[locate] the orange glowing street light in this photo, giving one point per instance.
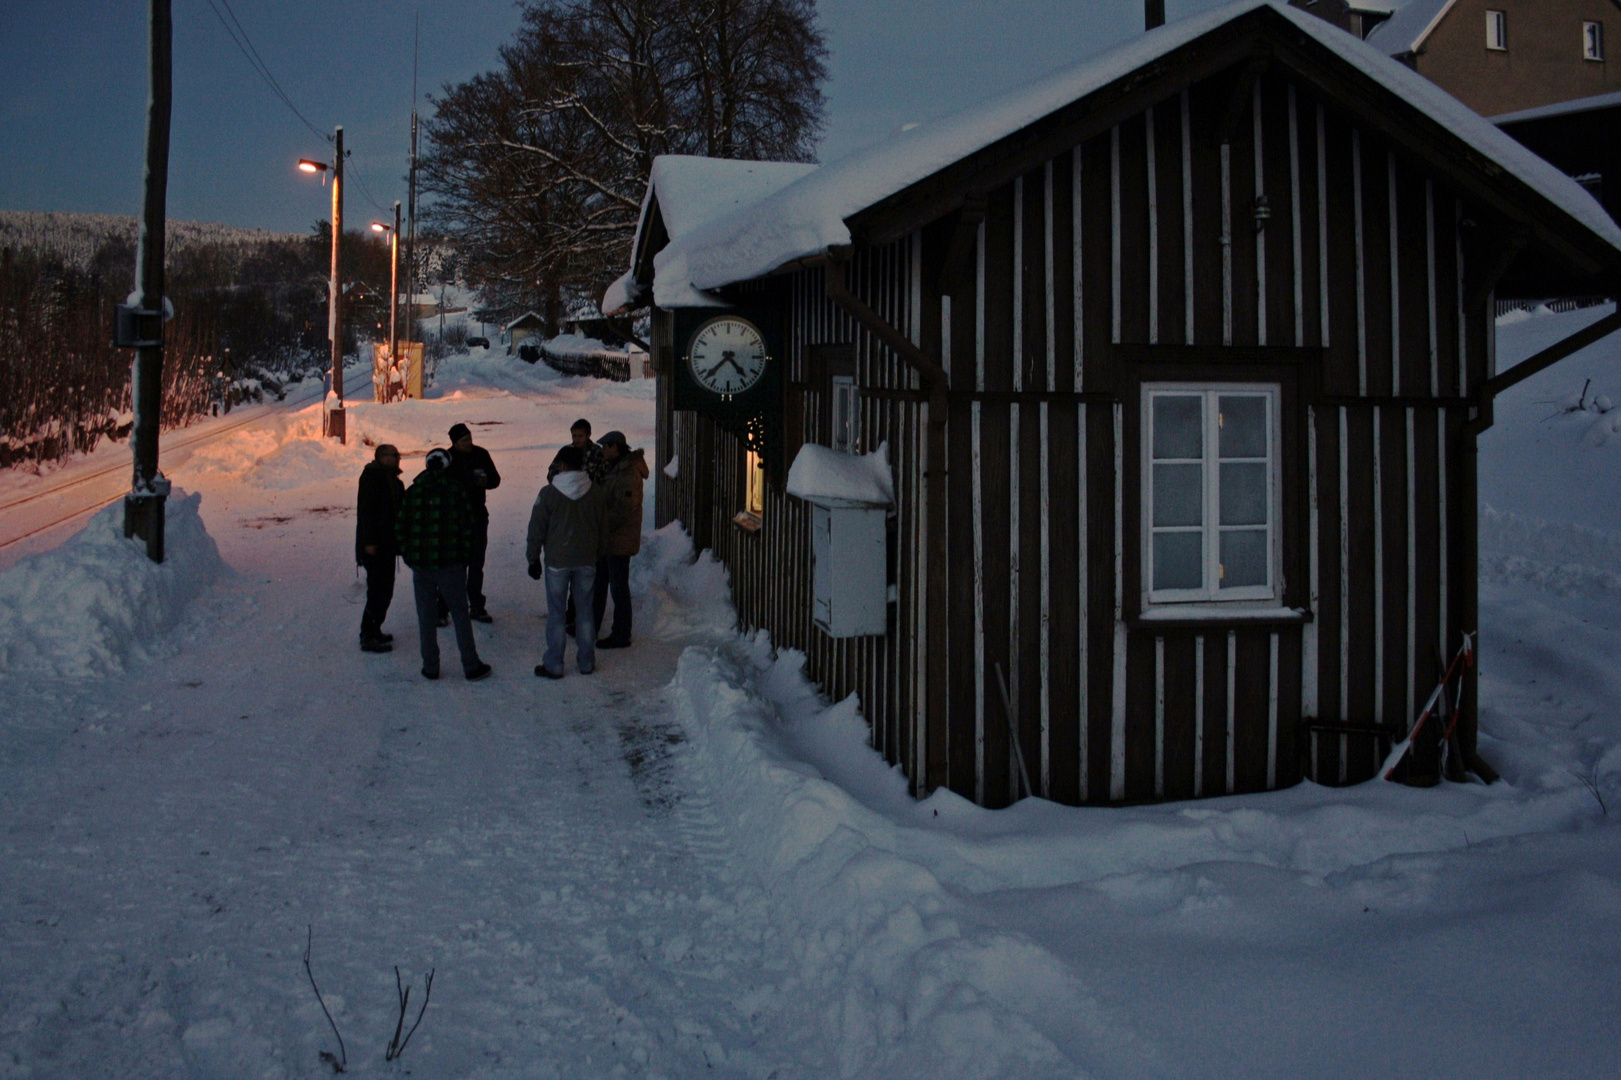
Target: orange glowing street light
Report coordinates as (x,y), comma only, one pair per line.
(393,281)
(334,416)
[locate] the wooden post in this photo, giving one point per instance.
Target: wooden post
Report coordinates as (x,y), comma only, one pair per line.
(144,505)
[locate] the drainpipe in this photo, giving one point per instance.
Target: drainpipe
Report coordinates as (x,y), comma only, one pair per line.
(931,757)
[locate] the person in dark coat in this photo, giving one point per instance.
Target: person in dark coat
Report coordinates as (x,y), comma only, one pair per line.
(580,438)
(435,532)
(475,469)
(624,472)
(568,525)
(375,549)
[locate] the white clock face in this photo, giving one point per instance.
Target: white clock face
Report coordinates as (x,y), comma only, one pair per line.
(727,355)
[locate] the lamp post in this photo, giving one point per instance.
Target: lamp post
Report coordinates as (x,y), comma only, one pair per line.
(393,232)
(334,425)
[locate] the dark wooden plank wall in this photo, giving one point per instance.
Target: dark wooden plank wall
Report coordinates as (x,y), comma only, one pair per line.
(1146,235)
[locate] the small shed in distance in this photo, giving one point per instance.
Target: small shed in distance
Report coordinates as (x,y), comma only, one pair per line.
(1177,358)
(521,329)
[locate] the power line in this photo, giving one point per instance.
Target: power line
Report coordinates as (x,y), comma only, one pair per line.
(366,188)
(239,36)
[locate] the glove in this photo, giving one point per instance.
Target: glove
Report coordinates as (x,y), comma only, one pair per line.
(534,570)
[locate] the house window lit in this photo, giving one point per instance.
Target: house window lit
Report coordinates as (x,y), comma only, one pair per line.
(753,512)
(846,413)
(1211,493)
(1592,41)
(1496,30)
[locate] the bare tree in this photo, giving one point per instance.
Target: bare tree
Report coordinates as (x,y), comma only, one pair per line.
(540,166)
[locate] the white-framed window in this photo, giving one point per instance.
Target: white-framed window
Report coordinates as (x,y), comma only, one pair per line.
(1592,41)
(1211,493)
(1497,30)
(846,414)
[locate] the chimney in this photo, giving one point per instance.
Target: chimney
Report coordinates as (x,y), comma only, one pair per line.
(1154,13)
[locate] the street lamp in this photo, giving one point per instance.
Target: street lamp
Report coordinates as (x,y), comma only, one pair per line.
(333,418)
(393,232)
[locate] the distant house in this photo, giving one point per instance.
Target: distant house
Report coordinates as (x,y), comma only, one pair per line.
(1176,361)
(1539,68)
(525,326)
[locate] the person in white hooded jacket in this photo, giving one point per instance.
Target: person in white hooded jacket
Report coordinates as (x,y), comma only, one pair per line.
(568,527)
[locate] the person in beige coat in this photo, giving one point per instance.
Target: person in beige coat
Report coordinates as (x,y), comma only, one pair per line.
(624,474)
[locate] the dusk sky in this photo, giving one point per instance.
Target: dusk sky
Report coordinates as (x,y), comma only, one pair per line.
(73,89)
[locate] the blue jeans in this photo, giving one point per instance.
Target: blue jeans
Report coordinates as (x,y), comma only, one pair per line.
(581,580)
(451,584)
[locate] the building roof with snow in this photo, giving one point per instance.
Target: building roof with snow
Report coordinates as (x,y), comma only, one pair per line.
(1409,24)
(780,218)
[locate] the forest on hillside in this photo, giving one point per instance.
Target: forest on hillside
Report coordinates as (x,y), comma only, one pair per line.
(250,315)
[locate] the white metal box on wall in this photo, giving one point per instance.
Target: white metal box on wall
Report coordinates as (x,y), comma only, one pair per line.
(849,548)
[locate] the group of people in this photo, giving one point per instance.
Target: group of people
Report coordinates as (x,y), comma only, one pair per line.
(585,526)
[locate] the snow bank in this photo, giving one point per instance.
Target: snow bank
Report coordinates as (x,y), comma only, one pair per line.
(910,981)
(821,474)
(97,604)
(685,595)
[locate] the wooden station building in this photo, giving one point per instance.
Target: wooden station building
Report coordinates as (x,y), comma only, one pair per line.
(1177,359)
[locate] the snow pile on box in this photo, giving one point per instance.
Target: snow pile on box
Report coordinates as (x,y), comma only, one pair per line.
(911,982)
(97,603)
(821,474)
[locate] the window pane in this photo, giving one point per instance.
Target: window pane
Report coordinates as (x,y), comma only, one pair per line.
(1178,560)
(1178,495)
(1243,425)
(1178,426)
(1243,493)
(1243,558)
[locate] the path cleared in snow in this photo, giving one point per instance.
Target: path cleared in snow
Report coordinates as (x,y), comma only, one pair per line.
(690,864)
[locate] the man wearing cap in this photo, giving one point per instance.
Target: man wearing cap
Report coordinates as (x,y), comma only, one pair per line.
(376,507)
(624,471)
(434,529)
(473,468)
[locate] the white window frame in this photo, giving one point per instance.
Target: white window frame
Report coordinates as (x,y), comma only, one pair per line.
(844,414)
(1496,30)
(1592,40)
(1211,593)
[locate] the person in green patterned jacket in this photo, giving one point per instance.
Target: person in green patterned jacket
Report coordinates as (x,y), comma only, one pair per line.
(434,531)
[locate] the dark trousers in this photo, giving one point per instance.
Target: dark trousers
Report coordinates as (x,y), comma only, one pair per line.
(613,576)
(379,592)
(475,560)
(475,565)
(450,586)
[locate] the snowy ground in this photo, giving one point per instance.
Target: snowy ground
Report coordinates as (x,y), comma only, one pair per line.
(689,864)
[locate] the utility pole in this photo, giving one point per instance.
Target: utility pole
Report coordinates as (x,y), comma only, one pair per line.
(335,415)
(411,196)
(140,324)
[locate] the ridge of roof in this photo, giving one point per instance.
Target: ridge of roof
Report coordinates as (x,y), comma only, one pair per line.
(808,216)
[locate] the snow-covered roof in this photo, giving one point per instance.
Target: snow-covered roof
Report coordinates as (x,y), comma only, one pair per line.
(691,192)
(807,217)
(1561,108)
(823,475)
(528,318)
(1406,29)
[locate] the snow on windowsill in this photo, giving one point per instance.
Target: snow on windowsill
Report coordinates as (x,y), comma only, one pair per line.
(1221,613)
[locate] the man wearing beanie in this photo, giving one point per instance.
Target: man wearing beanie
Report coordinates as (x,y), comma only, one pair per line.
(475,471)
(434,530)
(377,505)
